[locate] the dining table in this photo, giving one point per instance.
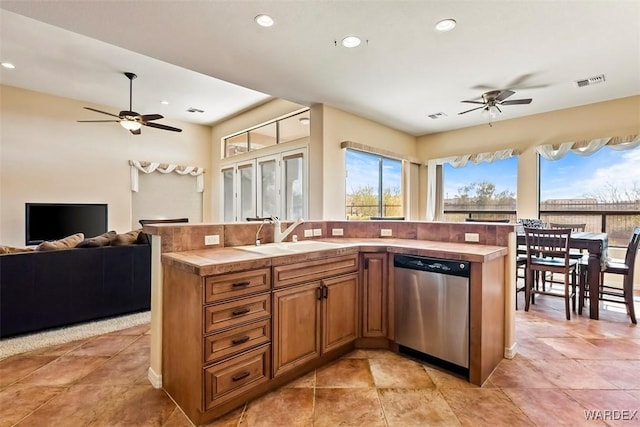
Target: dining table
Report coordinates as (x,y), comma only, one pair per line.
(596,245)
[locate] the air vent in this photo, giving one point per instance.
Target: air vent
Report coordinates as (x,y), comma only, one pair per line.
(590,81)
(195,110)
(437,115)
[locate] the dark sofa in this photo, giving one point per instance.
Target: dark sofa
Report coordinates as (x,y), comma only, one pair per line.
(43,290)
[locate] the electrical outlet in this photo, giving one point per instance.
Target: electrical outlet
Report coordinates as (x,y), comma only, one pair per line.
(386,232)
(213,239)
(308,233)
(337,232)
(471,237)
(317,231)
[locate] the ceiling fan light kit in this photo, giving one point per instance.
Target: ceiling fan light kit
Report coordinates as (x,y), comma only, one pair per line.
(491,102)
(131,120)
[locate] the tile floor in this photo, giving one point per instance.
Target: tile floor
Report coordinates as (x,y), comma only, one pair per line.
(563,369)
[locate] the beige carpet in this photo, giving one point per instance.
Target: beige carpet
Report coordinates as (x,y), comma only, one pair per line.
(21,344)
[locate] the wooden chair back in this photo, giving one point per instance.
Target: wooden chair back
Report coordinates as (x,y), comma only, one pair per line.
(575,228)
(547,243)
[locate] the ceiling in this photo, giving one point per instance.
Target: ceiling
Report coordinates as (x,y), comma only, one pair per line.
(212,56)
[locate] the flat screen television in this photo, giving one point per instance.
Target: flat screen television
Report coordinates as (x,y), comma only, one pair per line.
(53,221)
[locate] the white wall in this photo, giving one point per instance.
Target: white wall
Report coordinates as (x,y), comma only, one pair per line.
(46,156)
(339,126)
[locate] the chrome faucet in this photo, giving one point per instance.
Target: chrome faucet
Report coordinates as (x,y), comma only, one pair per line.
(278,234)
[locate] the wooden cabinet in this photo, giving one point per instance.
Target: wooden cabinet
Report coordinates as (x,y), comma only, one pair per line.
(313,317)
(216,337)
(375,276)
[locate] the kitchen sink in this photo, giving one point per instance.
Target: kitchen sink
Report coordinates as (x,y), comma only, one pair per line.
(290,247)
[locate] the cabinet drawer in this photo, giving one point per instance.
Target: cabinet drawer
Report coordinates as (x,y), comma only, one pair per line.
(225,286)
(285,275)
(226,380)
(225,315)
(236,340)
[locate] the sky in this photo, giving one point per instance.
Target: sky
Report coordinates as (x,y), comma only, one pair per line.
(362,170)
(573,176)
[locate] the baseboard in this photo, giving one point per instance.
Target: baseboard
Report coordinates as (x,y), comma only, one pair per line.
(510,352)
(154,379)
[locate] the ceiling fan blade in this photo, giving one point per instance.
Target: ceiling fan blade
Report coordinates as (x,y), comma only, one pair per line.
(504,95)
(98,121)
(100,111)
(136,132)
(163,127)
(516,101)
(475,102)
(149,117)
(473,109)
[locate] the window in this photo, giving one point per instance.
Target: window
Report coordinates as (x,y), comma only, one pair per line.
(601,190)
(373,186)
(287,129)
(480,190)
(266,186)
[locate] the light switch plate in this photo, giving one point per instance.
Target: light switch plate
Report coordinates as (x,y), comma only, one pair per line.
(471,237)
(317,231)
(386,232)
(308,233)
(213,239)
(337,232)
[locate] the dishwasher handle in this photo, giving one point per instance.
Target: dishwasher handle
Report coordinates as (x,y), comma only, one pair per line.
(435,265)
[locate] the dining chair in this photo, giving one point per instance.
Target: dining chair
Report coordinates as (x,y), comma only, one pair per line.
(608,291)
(548,251)
(521,253)
(575,228)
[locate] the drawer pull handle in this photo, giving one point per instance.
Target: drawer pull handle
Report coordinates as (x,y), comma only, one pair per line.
(241,375)
(240,311)
(240,284)
(240,340)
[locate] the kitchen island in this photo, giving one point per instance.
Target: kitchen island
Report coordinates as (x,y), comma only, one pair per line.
(241,321)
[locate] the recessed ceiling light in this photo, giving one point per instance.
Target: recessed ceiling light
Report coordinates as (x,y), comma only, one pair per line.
(351,41)
(8,65)
(164,102)
(304,120)
(446,25)
(264,20)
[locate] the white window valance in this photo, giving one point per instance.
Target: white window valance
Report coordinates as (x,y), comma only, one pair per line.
(588,147)
(149,167)
(461,161)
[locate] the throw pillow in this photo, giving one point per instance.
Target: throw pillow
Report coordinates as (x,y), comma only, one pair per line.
(13,250)
(126,238)
(66,243)
(104,239)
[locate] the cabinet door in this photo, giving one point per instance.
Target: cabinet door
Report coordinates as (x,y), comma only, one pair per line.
(340,312)
(374,295)
(296,326)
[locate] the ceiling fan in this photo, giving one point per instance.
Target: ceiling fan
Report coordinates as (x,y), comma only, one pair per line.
(492,99)
(131,120)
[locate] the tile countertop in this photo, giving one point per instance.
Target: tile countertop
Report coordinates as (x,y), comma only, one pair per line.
(219,260)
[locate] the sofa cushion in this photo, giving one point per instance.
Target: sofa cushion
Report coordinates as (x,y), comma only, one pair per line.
(104,239)
(13,249)
(126,238)
(66,243)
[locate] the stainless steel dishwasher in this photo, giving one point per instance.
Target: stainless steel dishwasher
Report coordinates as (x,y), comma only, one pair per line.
(432,310)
